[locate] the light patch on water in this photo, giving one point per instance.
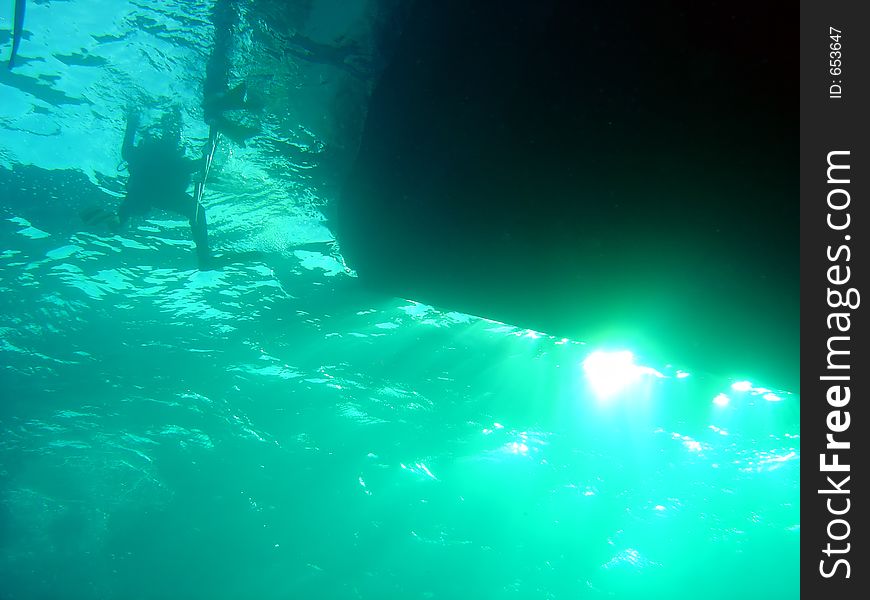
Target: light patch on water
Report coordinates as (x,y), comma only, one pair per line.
(261,270)
(101,244)
(63,252)
(770,461)
(315,260)
(610,373)
(184,306)
(416,309)
(287,231)
(748,387)
(721,400)
(151,291)
(517,448)
(71,414)
(186,436)
(395,398)
(113,279)
(205,279)
(169,223)
(690,444)
(73,276)
(34,233)
(282,372)
(138,453)
(7,346)
(69,444)
(502,329)
(458,317)
(419,468)
(395,392)
(69,268)
(355,413)
(525,443)
(487,430)
(128,243)
(630,558)
(139,439)
(718,430)
(195,396)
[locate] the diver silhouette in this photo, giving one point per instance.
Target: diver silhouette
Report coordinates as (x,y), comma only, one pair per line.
(159,176)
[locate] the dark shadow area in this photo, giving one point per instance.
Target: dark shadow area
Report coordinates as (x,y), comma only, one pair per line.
(605,172)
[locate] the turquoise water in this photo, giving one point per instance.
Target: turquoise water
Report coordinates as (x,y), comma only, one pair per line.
(169,433)
(274,430)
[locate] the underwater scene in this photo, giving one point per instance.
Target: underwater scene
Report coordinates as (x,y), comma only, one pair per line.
(200,397)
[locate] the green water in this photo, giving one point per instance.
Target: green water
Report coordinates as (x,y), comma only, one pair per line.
(173,434)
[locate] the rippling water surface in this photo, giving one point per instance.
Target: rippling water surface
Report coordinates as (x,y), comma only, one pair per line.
(273,430)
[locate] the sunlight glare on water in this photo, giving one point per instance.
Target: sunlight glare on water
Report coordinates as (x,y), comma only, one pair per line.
(610,373)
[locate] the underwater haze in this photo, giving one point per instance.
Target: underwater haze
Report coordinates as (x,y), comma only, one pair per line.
(273,429)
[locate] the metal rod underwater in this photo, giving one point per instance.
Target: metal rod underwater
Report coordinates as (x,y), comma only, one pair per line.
(208,156)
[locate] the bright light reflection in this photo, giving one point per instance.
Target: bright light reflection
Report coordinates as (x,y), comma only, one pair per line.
(746,386)
(692,445)
(518,448)
(721,400)
(612,372)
